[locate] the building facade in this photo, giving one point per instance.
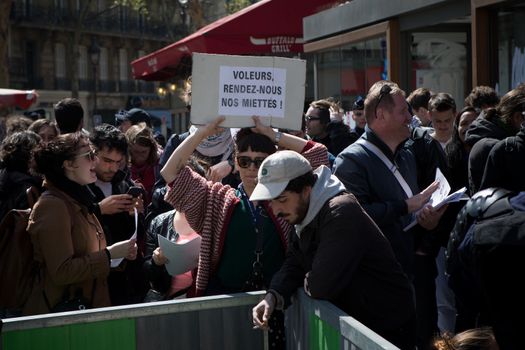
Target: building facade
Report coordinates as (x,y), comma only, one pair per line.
(447,46)
(43,36)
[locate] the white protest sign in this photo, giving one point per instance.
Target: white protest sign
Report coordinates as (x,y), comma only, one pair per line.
(252,91)
(239,87)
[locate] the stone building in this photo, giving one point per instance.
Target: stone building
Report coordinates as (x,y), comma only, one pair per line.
(42,53)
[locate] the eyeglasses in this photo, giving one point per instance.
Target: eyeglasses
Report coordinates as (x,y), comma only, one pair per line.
(310,118)
(385,90)
(244,162)
(91,155)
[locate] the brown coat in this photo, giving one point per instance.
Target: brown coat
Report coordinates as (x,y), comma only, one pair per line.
(69,244)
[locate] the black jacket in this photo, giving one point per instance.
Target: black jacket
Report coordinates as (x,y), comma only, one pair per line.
(482,135)
(340,137)
(505,166)
(13,186)
(127,283)
(158,276)
(350,264)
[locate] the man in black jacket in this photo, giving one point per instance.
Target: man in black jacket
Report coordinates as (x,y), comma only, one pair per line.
(127,283)
(338,253)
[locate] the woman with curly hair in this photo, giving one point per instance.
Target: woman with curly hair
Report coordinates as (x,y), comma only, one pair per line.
(15,178)
(69,244)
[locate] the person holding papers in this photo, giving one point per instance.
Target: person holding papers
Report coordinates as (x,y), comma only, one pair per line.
(174,227)
(243,243)
(382,173)
(114,210)
(68,241)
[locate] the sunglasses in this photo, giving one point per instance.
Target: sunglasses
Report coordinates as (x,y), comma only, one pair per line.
(91,155)
(385,90)
(310,118)
(244,162)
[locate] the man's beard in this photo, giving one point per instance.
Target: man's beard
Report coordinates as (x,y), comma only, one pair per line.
(105,177)
(302,210)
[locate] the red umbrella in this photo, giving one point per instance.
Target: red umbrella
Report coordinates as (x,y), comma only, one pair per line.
(19,98)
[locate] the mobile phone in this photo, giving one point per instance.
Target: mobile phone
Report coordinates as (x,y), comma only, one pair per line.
(135,191)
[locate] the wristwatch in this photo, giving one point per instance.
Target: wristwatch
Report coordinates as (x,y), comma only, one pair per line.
(278,136)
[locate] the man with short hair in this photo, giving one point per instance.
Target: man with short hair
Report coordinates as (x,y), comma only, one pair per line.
(334,135)
(338,253)
(442,108)
(127,283)
(382,173)
(69,115)
(418,100)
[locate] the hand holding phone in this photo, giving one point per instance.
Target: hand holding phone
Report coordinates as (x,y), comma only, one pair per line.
(135,191)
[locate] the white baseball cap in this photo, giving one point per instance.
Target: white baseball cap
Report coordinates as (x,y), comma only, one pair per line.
(275,173)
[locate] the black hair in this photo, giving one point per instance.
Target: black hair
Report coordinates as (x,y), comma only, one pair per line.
(455,148)
(69,114)
(17,149)
(108,136)
(299,183)
(442,102)
(324,109)
(482,96)
(247,139)
(50,157)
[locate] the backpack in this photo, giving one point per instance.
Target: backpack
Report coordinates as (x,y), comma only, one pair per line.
(18,269)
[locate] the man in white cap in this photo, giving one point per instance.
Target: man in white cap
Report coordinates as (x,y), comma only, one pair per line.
(338,253)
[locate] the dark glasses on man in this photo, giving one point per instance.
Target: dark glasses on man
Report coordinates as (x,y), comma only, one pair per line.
(385,90)
(244,162)
(91,155)
(310,118)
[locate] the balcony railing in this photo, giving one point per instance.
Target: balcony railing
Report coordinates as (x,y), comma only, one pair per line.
(103,22)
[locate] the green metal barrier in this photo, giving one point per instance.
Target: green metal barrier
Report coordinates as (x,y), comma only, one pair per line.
(218,322)
(316,324)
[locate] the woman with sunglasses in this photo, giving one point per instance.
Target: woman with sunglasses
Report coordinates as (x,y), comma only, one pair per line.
(231,225)
(68,242)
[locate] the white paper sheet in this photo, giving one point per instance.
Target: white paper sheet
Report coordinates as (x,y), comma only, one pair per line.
(441,196)
(182,257)
(116,262)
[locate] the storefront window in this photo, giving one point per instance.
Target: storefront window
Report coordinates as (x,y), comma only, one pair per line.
(511,49)
(439,62)
(329,73)
(349,71)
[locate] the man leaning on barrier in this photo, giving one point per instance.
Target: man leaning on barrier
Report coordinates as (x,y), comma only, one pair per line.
(338,253)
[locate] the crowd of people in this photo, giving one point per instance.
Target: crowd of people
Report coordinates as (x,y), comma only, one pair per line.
(328,208)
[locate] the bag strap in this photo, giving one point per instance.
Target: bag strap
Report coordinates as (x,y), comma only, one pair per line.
(392,167)
(255,213)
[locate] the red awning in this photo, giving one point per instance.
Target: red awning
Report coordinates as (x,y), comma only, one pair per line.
(19,98)
(266,27)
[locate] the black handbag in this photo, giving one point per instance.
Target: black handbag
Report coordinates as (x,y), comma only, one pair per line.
(75,303)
